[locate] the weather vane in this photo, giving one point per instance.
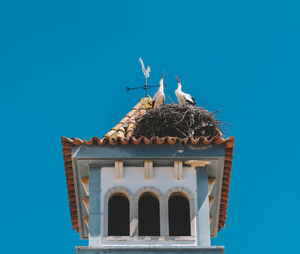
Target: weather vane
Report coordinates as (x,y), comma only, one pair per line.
(146,73)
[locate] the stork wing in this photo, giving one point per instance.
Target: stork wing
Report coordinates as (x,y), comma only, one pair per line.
(155,96)
(154,99)
(188,98)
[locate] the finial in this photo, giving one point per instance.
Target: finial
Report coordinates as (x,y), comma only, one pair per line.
(146,73)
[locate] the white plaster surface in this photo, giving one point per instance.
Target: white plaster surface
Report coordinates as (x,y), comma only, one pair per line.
(163,180)
(133,179)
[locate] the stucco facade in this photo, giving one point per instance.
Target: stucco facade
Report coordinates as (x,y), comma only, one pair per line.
(100,172)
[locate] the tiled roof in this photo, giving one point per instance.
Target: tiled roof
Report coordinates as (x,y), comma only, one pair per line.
(125,127)
(122,134)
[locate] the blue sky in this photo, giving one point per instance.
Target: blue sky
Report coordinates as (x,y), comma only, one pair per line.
(64,66)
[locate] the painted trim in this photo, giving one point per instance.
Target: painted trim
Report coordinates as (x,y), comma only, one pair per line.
(163,206)
(203,220)
(158,194)
(109,193)
(151,249)
(95,206)
(190,197)
(152,189)
(178,152)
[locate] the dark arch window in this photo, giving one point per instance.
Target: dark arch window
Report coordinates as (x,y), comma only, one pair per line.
(118,215)
(179,216)
(149,223)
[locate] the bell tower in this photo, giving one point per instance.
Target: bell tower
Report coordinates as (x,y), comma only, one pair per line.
(147,195)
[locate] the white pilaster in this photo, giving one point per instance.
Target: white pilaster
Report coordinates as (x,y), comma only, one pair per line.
(94,206)
(148,170)
(118,170)
(203,223)
(178,170)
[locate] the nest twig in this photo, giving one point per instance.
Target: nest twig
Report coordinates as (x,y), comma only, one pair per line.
(176,120)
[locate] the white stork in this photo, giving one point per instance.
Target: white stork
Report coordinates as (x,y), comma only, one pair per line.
(159,96)
(182,97)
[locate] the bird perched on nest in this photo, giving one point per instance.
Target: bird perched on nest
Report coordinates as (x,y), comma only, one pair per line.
(183,98)
(159,97)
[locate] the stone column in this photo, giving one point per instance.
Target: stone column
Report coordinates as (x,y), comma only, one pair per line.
(133,217)
(164,216)
(95,214)
(203,224)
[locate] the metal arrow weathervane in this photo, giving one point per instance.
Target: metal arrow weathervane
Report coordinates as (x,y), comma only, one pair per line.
(146,73)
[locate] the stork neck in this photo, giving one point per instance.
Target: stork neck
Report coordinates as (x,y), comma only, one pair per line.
(161,88)
(179,87)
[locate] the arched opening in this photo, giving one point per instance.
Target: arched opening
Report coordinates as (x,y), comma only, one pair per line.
(149,222)
(179,215)
(118,215)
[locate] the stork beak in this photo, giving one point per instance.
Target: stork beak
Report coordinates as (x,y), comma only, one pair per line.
(177,79)
(162,76)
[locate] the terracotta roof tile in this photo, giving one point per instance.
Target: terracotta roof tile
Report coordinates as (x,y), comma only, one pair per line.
(122,134)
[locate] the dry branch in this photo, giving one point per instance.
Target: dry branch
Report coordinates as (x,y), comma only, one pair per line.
(177,120)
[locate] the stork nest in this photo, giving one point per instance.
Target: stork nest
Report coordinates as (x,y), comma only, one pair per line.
(176,120)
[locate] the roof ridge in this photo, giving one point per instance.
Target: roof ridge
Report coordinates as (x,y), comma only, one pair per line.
(119,129)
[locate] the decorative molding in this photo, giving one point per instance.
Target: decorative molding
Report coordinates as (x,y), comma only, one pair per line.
(178,170)
(197,163)
(85,183)
(86,203)
(151,189)
(150,238)
(109,193)
(118,173)
(118,189)
(86,220)
(163,204)
(211,201)
(148,170)
(189,195)
(211,183)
